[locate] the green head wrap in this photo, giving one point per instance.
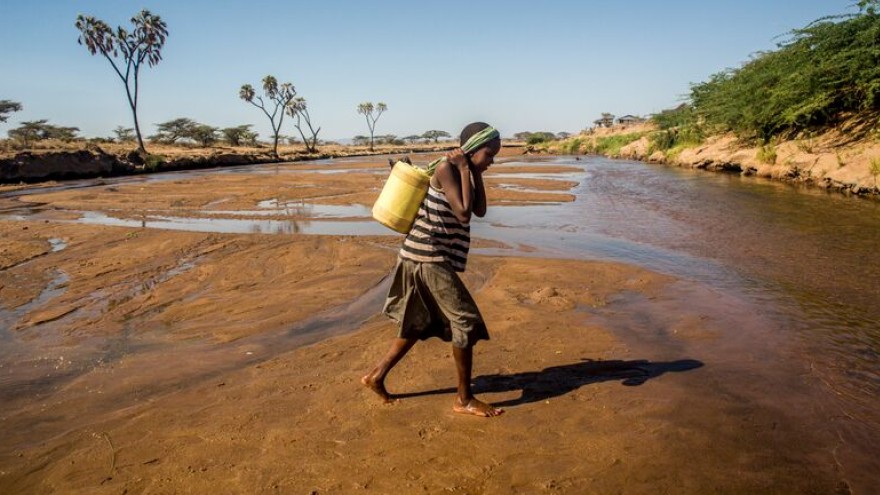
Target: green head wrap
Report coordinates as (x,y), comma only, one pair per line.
(474,143)
(480,138)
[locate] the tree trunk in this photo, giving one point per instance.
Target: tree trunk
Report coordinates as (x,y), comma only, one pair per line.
(142,150)
(137,129)
(305,140)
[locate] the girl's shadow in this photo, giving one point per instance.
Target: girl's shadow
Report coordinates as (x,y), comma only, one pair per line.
(559,380)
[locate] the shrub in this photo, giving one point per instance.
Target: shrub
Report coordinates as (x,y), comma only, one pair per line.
(805,145)
(822,73)
(686,136)
(154,162)
(572,146)
(767,154)
(611,145)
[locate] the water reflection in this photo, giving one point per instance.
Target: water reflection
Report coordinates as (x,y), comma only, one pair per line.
(9,316)
(238,225)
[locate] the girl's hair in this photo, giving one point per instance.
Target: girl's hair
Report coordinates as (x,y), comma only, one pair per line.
(471,129)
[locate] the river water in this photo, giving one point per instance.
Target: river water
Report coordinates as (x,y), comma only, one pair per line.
(787,264)
(805,259)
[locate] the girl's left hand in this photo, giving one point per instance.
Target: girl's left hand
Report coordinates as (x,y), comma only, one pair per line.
(457,157)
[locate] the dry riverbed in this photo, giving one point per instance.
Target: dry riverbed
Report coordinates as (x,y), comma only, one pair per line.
(141,360)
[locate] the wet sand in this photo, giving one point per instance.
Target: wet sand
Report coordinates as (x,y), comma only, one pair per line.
(155,361)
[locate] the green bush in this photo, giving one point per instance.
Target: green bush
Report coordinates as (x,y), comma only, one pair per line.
(821,74)
(681,116)
(662,140)
(611,145)
(670,138)
(154,162)
(571,146)
(767,154)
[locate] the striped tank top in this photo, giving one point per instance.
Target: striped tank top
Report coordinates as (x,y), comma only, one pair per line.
(436,235)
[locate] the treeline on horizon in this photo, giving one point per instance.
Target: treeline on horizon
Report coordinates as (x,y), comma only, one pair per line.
(824,74)
(188,132)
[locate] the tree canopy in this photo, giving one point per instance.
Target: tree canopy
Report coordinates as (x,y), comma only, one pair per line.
(535,137)
(372,113)
(239,135)
(38,130)
(435,135)
(7,107)
(279,97)
(185,129)
(124,134)
(175,130)
(298,109)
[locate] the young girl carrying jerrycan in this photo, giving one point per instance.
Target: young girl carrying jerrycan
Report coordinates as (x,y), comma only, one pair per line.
(427,298)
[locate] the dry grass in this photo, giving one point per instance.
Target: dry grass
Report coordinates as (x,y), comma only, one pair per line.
(9,149)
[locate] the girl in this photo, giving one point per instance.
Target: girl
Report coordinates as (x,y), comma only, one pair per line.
(427,298)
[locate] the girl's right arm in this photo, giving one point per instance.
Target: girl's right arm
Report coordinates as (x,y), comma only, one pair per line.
(454,176)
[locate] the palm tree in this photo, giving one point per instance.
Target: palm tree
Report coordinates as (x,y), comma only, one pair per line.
(143,44)
(366,109)
(281,95)
(300,111)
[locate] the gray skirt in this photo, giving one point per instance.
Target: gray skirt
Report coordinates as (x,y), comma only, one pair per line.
(429,300)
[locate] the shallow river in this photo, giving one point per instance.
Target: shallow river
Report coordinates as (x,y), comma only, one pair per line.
(807,261)
(793,266)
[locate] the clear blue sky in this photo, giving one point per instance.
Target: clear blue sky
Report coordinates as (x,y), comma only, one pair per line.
(520,65)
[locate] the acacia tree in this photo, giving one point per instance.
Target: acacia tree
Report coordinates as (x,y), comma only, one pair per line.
(173,130)
(27,131)
(204,134)
(298,110)
(389,139)
(239,135)
(143,44)
(278,94)
(366,109)
(7,107)
(124,134)
(38,130)
(435,135)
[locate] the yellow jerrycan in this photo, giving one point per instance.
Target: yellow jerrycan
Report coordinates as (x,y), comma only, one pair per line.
(399,201)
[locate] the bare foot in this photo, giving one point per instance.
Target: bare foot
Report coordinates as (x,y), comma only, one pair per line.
(378,387)
(476,407)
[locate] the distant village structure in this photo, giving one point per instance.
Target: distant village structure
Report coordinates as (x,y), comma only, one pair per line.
(608,120)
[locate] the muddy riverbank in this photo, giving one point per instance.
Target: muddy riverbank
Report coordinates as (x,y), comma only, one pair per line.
(844,159)
(91,161)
